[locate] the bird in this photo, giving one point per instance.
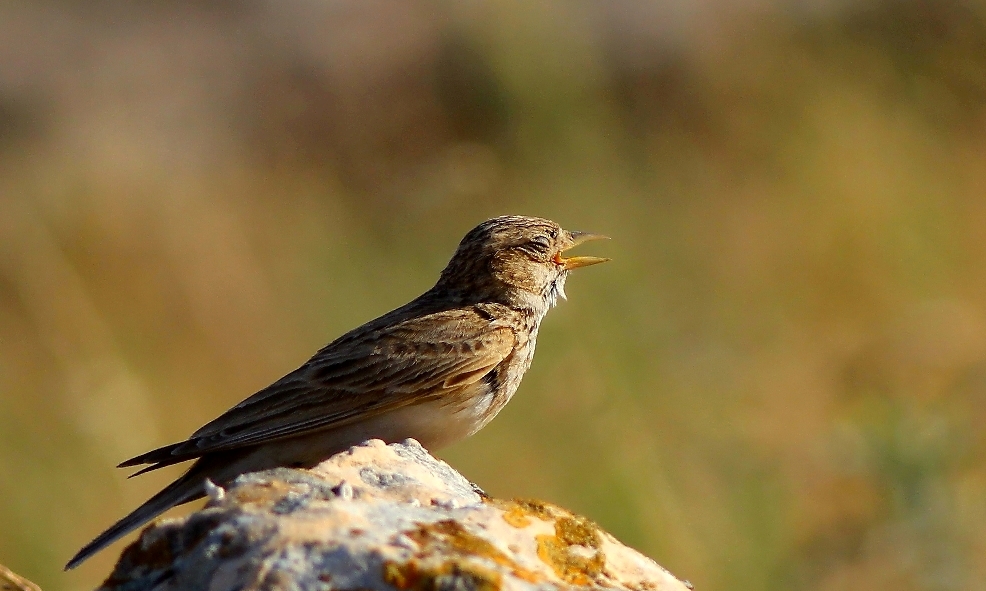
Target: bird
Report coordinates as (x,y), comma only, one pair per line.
(436,369)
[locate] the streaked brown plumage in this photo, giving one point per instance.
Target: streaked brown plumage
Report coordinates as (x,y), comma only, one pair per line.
(437,369)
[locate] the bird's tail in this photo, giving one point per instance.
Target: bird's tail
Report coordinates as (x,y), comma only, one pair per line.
(188,487)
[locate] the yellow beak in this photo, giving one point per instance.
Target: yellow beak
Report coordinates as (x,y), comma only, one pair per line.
(576,262)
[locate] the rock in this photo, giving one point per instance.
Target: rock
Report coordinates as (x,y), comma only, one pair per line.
(378,517)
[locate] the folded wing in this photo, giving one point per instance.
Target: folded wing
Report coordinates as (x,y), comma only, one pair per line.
(353,378)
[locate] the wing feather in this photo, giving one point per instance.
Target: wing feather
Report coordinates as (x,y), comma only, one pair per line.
(357,376)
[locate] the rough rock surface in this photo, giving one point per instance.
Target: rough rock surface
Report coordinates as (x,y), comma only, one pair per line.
(378,517)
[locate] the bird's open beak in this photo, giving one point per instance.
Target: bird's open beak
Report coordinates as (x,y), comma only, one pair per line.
(576,262)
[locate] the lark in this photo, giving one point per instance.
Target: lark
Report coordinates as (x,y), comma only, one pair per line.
(437,369)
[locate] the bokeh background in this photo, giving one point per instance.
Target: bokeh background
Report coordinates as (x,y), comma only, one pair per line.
(778,384)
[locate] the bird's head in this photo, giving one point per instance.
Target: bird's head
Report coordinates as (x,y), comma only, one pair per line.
(517,257)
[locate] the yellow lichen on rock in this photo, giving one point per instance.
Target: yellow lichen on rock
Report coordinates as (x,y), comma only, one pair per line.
(519,511)
(573,552)
(517,517)
(415,575)
(450,538)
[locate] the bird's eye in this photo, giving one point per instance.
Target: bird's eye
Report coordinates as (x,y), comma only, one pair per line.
(541,244)
(538,247)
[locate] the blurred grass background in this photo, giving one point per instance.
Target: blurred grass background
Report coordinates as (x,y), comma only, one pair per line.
(779,383)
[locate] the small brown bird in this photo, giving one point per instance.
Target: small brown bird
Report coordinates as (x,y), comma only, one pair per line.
(437,369)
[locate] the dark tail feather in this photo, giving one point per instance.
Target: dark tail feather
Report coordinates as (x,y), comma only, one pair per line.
(187,488)
(161,454)
(150,468)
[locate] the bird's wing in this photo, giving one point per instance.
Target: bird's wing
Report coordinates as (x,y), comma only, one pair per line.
(355,377)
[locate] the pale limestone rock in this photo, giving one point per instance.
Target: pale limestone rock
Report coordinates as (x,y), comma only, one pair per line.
(378,517)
